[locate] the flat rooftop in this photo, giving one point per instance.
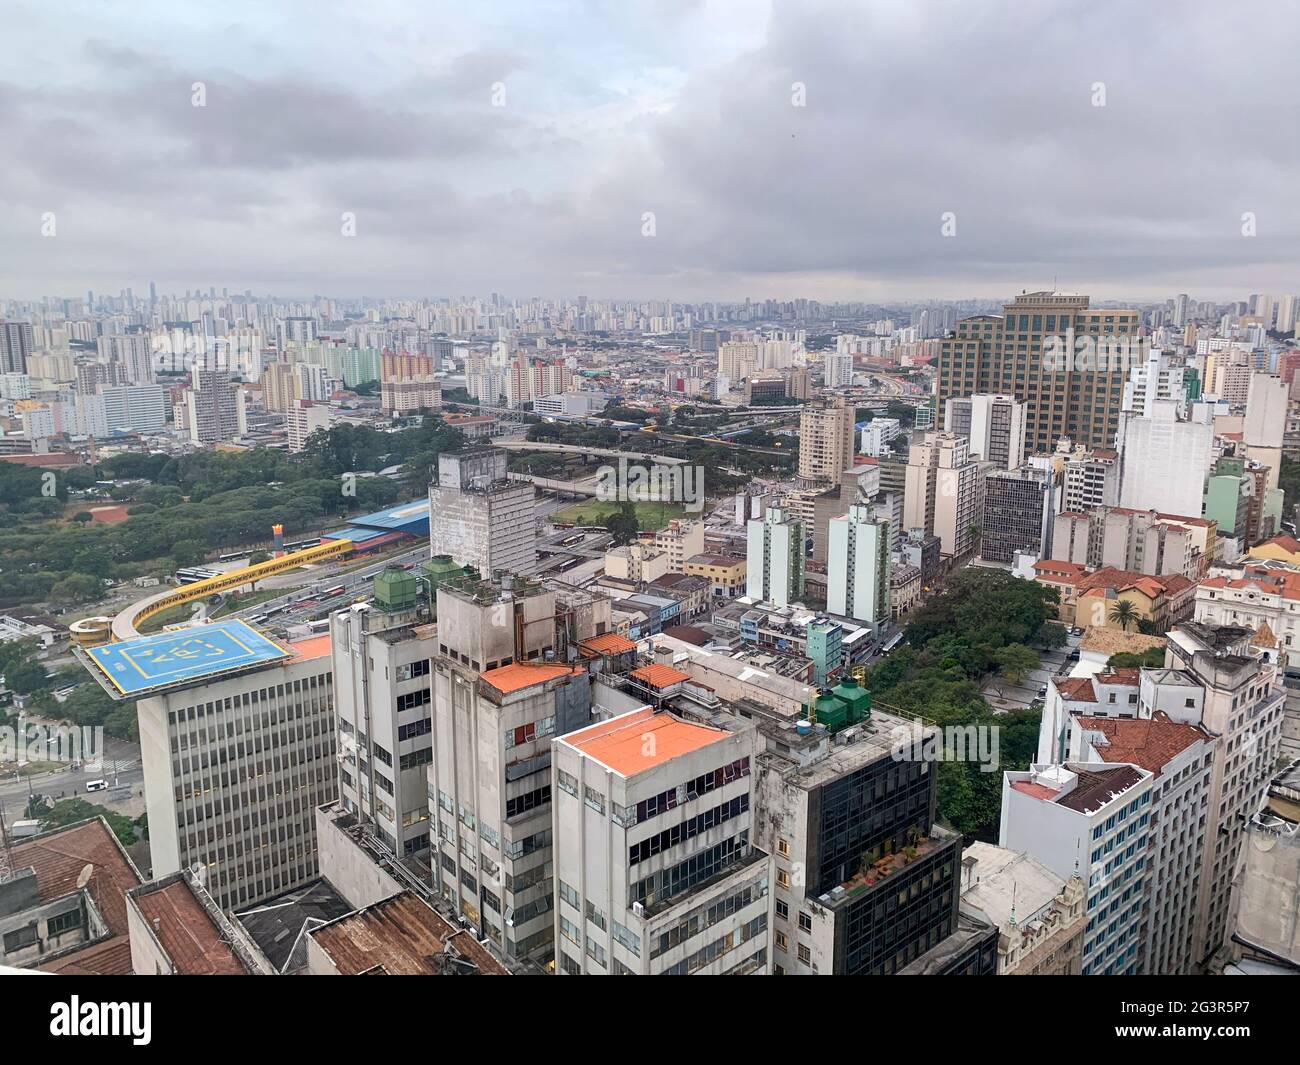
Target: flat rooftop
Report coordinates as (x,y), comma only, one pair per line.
(402,936)
(621,743)
(175,659)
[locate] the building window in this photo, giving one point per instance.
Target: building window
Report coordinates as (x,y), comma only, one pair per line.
(805,922)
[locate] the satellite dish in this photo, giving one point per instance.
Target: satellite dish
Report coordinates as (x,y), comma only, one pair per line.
(85,876)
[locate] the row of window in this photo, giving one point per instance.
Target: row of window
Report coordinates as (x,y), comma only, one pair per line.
(689,829)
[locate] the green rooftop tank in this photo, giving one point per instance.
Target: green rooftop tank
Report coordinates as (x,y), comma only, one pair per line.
(856,697)
(395,589)
(831,711)
(438,571)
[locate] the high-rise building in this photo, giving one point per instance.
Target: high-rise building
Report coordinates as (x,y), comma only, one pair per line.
(1163,460)
(994,426)
(481,518)
(1092,818)
(825,441)
(863,885)
(1091,480)
(944,491)
(1045,349)
(408,383)
(655,871)
(1180,756)
(216,407)
(303,419)
(503,687)
(384,705)
(281,386)
(16,344)
(1243,706)
(1019,505)
(838,371)
(774,558)
(237,739)
(857,566)
(134,408)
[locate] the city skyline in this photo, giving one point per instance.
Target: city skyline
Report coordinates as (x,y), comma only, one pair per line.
(524,152)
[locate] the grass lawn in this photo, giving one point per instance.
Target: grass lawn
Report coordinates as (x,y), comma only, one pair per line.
(231,605)
(649,516)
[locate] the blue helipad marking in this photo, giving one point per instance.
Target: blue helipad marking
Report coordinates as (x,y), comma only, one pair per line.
(174,657)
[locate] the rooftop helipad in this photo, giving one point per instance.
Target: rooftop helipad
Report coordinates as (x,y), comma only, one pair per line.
(172,659)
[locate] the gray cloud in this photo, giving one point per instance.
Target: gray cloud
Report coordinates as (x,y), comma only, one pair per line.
(984,110)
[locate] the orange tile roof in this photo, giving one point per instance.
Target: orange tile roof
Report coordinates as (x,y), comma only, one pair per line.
(1149,743)
(659,676)
(312,647)
(632,743)
(1076,689)
(520,675)
(609,643)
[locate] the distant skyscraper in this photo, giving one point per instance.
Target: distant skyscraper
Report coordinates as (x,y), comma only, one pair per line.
(1020,353)
(16,344)
(825,441)
(216,408)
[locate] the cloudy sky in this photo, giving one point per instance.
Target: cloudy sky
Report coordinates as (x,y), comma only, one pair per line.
(785,149)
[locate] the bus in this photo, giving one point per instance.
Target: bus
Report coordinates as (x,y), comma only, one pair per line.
(330,593)
(569,541)
(301,545)
(190,574)
(234,556)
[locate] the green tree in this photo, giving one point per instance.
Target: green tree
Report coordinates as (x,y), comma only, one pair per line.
(70,811)
(78,588)
(1123,614)
(188,552)
(1015,662)
(1051,635)
(622,524)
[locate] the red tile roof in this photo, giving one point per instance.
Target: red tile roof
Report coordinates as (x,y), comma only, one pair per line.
(59,857)
(1151,743)
(1095,789)
(186,932)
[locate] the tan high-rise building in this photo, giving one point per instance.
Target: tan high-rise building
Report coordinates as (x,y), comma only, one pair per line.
(944,491)
(1012,354)
(825,441)
(281,386)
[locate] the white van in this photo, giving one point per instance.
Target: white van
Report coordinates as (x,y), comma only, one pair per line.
(96,785)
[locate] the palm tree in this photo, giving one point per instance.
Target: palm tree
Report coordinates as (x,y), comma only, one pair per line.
(1123,613)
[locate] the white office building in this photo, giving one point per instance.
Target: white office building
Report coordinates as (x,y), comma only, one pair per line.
(655,870)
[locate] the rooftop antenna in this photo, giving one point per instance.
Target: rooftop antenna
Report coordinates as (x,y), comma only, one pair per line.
(6,859)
